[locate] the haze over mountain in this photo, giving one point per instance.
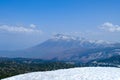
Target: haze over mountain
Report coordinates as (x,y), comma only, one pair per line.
(23,25)
(68,48)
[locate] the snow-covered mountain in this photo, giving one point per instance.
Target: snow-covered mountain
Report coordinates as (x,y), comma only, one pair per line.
(81,41)
(86,73)
(69,48)
(72,48)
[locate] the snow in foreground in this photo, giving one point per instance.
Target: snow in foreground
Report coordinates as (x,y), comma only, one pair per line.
(86,73)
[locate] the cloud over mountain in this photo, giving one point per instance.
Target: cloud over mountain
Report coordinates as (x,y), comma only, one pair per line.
(20,29)
(110,27)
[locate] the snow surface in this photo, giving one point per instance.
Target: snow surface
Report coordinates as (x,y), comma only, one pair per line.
(85,73)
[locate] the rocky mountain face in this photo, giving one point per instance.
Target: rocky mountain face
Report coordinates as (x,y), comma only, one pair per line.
(70,48)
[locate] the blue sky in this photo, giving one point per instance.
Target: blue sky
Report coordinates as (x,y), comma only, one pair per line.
(24,23)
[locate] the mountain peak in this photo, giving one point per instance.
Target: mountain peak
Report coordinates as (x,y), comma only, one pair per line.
(64,37)
(76,38)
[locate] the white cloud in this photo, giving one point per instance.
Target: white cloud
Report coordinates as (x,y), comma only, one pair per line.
(32,25)
(110,27)
(19,29)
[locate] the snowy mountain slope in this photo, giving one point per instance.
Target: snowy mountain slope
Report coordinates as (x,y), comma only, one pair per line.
(86,73)
(60,45)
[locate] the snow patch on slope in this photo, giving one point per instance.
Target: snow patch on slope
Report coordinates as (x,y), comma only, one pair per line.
(86,73)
